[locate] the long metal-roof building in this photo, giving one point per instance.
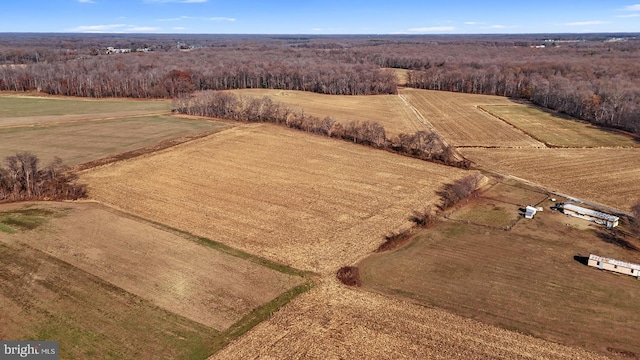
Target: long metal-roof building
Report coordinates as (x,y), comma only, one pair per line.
(591,215)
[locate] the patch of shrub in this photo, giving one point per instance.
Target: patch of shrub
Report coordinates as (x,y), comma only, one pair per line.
(451,194)
(424,218)
(394,240)
(349,275)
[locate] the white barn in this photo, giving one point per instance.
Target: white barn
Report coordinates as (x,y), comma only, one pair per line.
(592,215)
(529,212)
(618,266)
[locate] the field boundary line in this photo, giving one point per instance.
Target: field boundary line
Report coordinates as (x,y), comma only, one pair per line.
(421,118)
(481,109)
(147,150)
(204,241)
(430,126)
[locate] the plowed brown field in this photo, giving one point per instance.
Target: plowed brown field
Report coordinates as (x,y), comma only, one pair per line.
(606,176)
(306,201)
(333,322)
(387,110)
(456,117)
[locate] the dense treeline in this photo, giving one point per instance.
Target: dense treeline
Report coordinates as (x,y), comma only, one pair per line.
(168,74)
(421,144)
(23,179)
(594,77)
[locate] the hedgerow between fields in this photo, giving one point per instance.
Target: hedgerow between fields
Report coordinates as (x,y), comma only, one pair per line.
(421,144)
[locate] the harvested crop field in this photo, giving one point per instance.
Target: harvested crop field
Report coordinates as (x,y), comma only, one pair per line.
(558,130)
(529,279)
(79,142)
(456,117)
(334,322)
(607,176)
(174,273)
(387,110)
(288,196)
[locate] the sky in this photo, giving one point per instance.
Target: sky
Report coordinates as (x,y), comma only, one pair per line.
(320,17)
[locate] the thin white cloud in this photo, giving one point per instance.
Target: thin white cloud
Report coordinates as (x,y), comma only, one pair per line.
(142,29)
(112,28)
(96,28)
(175,1)
(586,23)
(334,30)
(216,18)
(496,27)
(628,15)
(473,23)
(174,19)
(222,19)
(86,1)
(635,7)
(432,29)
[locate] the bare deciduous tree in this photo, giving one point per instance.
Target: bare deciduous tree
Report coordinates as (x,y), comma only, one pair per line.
(22,179)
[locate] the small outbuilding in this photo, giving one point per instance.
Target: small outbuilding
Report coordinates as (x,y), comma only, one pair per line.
(618,266)
(588,214)
(529,212)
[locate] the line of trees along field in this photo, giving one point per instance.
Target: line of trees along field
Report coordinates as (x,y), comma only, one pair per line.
(421,144)
(22,178)
(593,77)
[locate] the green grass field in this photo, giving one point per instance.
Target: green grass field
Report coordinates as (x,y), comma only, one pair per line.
(558,130)
(488,212)
(525,279)
(78,142)
(28,106)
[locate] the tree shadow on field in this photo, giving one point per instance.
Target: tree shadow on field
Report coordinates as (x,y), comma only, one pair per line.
(616,238)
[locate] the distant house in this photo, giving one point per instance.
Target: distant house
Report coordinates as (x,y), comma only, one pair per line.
(592,215)
(112,50)
(618,266)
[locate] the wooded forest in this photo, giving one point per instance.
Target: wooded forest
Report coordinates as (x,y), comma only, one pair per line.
(594,77)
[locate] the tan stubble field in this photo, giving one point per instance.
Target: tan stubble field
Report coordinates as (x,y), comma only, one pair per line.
(456,117)
(306,201)
(387,110)
(608,176)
